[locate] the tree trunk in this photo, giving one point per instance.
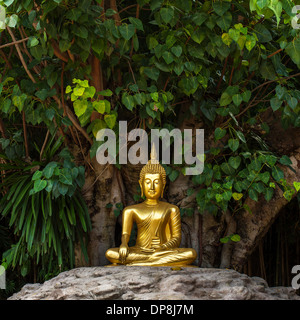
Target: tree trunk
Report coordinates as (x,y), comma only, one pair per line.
(253,226)
(102,186)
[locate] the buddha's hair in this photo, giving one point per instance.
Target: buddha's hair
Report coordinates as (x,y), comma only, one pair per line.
(153,168)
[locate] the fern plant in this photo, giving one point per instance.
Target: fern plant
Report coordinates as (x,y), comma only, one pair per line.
(44,207)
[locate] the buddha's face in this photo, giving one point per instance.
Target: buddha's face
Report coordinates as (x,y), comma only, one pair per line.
(152,186)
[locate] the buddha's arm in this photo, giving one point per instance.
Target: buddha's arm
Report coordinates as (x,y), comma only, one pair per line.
(127,222)
(175,228)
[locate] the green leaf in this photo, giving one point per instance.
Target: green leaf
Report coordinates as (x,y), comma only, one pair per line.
(277,173)
(198,36)
(152,73)
(225,240)
(226,39)
(127,31)
(80,107)
(267,70)
(32,42)
(285,160)
(44,93)
(199,18)
(106,93)
(73,14)
(275,103)
(276,7)
(189,85)
(253,194)
(49,169)
(19,101)
(98,124)
(241,136)
(168,57)
(8,2)
(37,175)
(224,21)
(296,185)
(137,23)
(235,238)
(246,95)
(269,194)
(271,160)
(7,104)
(167,14)
(288,194)
(128,101)
(235,161)
(110,120)
(65,176)
(237,196)
(173,176)
(62,188)
(177,50)
(13,20)
(265,177)
(262,33)
(219,197)
(233,144)
(225,99)
(292,101)
(219,133)
(280,91)
(234,34)
(226,168)
(99,106)
(221,7)
(80,31)
(64,45)
(250,42)
(39,185)
(237,99)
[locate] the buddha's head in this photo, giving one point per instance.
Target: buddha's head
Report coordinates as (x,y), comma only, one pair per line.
(153,178)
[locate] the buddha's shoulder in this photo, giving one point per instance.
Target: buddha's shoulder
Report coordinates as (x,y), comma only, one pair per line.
(169,205)
(133,207)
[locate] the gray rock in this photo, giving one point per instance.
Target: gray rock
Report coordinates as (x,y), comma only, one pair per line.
(153,283)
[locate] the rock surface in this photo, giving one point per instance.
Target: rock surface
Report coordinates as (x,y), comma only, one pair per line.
(153,283)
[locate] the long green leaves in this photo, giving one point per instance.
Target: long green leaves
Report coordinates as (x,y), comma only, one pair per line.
(45,224)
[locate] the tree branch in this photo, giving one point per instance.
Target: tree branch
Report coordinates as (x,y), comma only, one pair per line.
(13,43)
(21,56)
(61,55)
(74,120)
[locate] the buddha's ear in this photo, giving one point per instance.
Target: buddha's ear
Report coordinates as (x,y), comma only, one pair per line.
(142,193)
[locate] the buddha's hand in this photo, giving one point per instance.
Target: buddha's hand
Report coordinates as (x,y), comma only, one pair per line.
(155,244)
(123,252)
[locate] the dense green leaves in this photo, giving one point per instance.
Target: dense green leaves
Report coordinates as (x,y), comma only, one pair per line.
(48,224)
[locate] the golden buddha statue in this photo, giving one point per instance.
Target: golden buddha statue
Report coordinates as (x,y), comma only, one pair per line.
(158,226)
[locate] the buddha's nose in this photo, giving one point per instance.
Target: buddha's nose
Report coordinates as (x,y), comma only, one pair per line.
(152,188)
